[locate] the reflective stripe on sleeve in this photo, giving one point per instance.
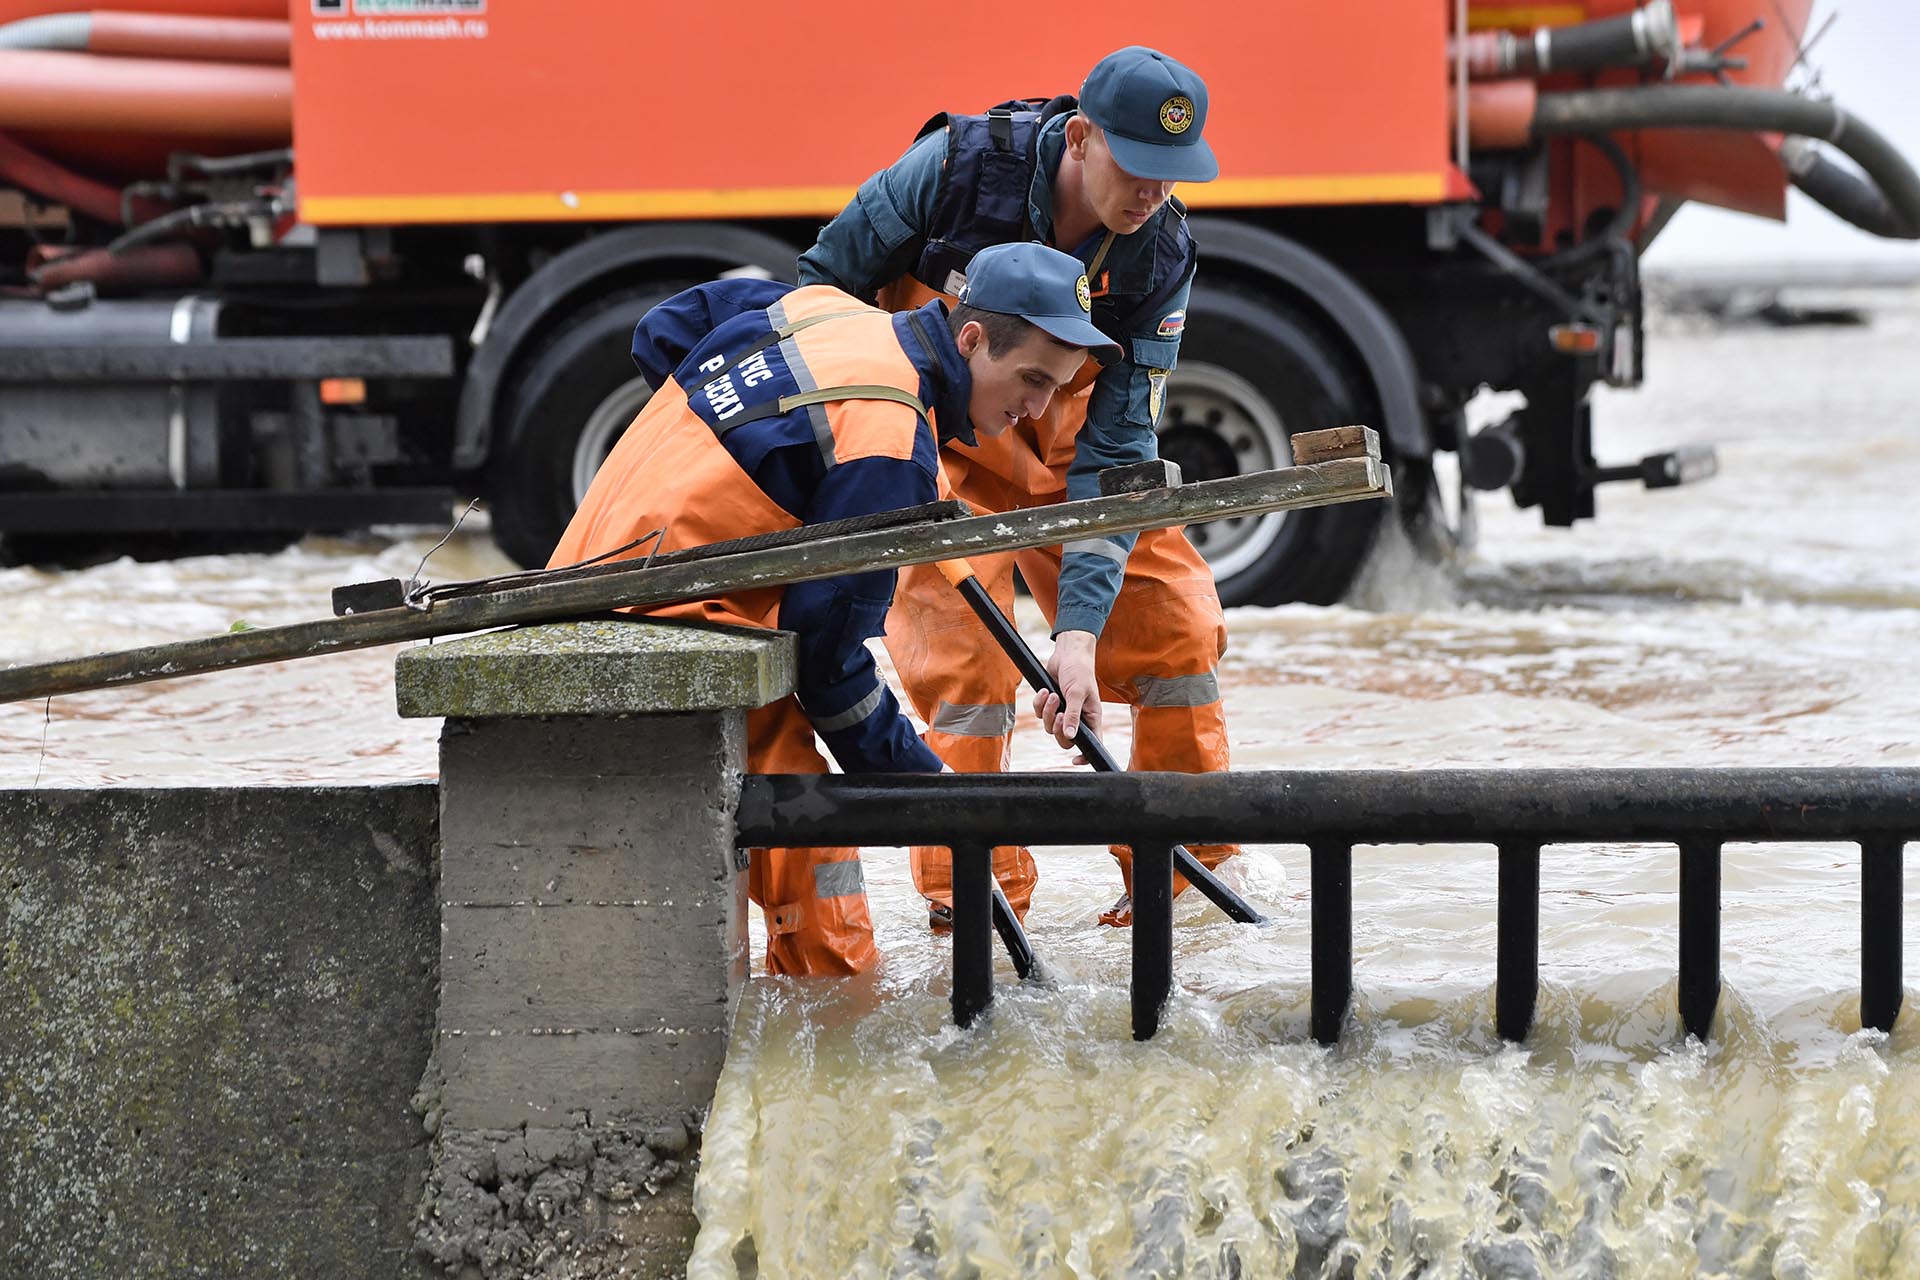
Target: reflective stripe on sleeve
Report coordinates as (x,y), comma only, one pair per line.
(852,715)
(1105,548)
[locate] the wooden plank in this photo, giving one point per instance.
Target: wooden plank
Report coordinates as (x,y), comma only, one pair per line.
(947,509)
(1154,473)
(1342,480)
(1311,447)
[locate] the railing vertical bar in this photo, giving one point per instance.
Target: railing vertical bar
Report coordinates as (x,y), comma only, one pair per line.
(1517,969)
(1332,938)
(1699,934)
(1882,887)
(1152,935)
(972,932)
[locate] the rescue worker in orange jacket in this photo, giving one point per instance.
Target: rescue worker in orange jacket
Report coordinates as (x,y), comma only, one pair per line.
(776,407)
(1138,622)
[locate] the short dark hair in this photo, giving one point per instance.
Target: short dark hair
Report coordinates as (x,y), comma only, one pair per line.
(1004,332)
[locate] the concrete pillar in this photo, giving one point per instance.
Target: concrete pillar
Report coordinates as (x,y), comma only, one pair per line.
(593,930)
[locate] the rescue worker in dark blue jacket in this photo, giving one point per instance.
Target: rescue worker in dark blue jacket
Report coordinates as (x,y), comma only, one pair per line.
(1138,622)
(777,407)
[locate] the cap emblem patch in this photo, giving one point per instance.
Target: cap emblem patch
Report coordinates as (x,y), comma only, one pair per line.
(1083,293)
(1176,114)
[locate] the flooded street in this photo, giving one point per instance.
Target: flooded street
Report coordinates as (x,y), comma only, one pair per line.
(1769,617)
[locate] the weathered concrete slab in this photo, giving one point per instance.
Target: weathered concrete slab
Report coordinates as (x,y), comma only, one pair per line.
(570,970)
(214,1008)
(593,931)
(620,1077)
(595,669)
(641,921)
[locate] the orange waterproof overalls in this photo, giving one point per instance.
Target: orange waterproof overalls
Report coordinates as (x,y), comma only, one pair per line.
(1157,653)
(669,471)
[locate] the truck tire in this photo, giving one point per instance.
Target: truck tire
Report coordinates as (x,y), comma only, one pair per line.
(1253,370)
(569,401)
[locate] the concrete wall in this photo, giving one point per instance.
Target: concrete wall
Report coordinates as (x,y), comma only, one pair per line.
(593,933)
(215,1007)
(347,1032)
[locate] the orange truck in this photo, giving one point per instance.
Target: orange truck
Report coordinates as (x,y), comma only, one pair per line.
(268,269)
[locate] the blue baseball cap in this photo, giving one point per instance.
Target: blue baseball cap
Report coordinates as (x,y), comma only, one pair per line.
(1152,109)
(1041,285)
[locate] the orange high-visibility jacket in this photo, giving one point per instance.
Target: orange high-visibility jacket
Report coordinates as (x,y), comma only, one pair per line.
(816,407)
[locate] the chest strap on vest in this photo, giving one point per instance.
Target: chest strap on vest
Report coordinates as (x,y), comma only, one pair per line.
(855,391)
(826,395)
(1100,258)
(1000,128)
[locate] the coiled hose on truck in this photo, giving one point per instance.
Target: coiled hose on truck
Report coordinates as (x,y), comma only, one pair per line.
(1885,201)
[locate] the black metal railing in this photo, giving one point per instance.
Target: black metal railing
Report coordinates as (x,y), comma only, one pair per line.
(1519,812)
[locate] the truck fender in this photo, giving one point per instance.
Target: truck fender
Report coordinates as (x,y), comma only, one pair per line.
(578,275)
(1248,253)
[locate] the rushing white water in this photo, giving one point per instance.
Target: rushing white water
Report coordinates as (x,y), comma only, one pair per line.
(1768,617)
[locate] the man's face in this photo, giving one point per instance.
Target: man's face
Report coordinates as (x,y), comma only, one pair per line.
(1121,201)
(1014,384)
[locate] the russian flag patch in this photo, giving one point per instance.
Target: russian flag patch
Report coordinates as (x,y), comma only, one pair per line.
(1172,323)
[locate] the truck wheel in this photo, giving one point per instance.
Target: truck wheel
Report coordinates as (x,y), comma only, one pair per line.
(1253,370)
(573,396)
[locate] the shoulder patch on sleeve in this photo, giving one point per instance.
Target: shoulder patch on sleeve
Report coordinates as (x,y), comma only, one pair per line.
(1172,324)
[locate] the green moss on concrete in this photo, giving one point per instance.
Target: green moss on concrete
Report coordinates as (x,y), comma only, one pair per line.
(595,668)
(214,1005)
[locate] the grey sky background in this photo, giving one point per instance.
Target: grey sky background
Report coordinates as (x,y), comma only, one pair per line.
(1869,63)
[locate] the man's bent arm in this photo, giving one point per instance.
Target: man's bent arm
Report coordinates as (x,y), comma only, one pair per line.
(1121,413)
(668,333)
(878,236)
(839,685)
